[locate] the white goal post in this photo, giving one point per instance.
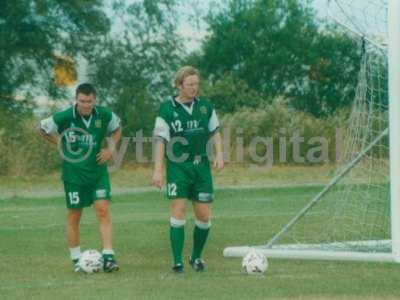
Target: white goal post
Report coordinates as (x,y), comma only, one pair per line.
(394,121)
(380,250)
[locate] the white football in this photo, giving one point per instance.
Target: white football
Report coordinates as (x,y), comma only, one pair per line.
(254,262)
(91,261)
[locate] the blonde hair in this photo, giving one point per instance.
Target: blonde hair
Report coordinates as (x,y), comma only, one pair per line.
(184,72)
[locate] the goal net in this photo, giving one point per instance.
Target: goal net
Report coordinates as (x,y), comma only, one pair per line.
(350,219)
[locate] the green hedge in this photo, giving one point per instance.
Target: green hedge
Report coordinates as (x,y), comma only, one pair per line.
(24,152)
(280,123)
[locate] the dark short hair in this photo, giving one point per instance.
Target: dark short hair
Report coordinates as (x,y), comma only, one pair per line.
(85,88)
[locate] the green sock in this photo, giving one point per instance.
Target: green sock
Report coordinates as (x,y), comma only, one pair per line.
(177,237)
(200,234)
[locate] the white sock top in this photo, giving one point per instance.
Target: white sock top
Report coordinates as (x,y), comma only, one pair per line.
(75,252)
(108,251)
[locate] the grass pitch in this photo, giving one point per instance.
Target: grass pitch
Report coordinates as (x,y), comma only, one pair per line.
(35,260)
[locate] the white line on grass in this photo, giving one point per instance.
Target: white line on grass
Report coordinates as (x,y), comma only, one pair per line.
(30,227)
(47,193)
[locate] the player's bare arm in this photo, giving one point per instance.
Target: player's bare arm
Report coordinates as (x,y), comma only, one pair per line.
(106,154)
(158,173)
(51,138)
(219,156)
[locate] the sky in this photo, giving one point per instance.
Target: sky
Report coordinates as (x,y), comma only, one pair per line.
(193,29)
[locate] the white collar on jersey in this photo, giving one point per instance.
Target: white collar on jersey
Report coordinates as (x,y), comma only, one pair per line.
(87,122)
(189,109)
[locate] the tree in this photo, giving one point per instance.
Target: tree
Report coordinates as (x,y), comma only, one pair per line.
(133,67)
(229,94)
(279,49)
(32,33)
(331,78)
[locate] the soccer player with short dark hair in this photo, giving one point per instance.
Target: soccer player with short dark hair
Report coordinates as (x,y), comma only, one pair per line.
(81,131)
(184,126)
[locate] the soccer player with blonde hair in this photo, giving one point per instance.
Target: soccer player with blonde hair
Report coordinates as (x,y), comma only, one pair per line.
(184,126)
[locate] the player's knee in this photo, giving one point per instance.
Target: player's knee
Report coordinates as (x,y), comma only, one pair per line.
(102,212)
(179,211)
(203,216)
(174,222)
(203,224)
(74,216)
(74,221)
(179,214)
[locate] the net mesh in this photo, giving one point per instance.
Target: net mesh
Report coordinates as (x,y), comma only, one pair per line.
(355,214)
(364,18)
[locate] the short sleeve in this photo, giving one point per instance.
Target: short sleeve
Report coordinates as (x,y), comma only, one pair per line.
(114,123)
(213,123)
(61,119)
(161,127)
(48,125)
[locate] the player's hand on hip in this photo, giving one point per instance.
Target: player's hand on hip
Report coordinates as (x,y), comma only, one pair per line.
(157,179)
(103,156)
(218,162)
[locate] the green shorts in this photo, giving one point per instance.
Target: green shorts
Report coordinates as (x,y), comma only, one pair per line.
(79,196)
(190,180)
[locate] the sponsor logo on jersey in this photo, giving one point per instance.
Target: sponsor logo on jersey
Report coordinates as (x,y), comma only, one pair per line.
(197,160)
(97,123)
(101,193)
(205,196)
(203,110)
